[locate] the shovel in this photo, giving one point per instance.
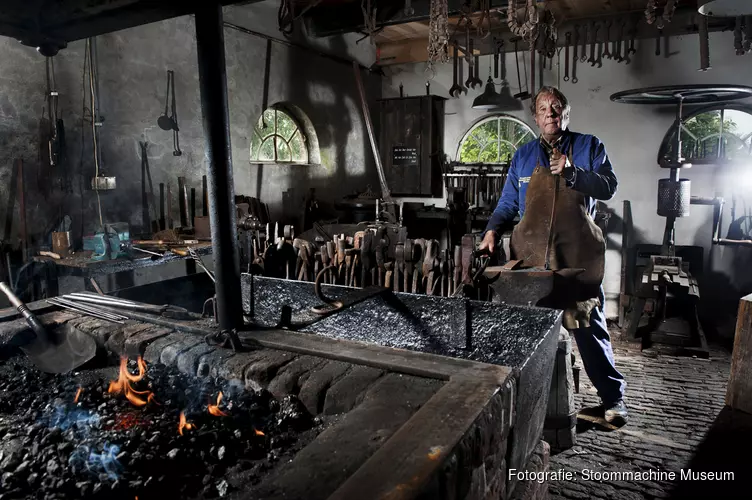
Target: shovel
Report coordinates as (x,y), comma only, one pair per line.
(69,348)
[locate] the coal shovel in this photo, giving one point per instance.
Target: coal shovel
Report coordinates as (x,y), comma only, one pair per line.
(66,349)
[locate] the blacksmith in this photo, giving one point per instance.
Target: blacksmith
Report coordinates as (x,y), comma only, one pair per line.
(589,172)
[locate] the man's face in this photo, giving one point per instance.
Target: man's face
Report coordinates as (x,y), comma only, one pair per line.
(550,116)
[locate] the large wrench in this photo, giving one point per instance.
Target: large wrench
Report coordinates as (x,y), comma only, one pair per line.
(568,41)
(455,90)
(606,52)
(583,57)
(592,60)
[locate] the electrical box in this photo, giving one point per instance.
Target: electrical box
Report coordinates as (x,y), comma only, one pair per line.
(411,143)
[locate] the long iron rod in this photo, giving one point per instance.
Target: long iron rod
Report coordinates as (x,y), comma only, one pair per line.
(212,73)
(385,193)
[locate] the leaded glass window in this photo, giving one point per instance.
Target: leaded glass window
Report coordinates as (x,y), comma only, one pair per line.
(278,138)
(494,140)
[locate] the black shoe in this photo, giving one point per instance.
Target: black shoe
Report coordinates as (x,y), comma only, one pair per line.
(616,413)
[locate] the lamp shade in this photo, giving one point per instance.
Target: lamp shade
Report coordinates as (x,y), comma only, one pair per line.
(490,99)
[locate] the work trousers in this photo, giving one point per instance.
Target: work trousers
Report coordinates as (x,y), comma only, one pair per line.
(594,344)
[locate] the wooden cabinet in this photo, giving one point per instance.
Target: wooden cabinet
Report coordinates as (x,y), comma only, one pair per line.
(411,142)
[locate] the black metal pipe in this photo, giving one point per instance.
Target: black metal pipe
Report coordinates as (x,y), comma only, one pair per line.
(212,75)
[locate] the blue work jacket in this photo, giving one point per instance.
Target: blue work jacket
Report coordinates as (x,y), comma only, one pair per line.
(593,176)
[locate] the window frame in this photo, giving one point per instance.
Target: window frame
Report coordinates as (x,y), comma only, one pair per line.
(487,118)
(668,138)
(299,129)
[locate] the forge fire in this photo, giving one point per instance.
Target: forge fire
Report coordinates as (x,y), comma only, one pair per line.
(150,433)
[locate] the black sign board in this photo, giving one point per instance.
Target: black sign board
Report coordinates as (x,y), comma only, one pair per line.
(404,156)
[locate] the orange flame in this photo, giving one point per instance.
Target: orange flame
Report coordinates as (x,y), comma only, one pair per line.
(258,432)
(78,395)
(123,383)
(214,409)
(184,424)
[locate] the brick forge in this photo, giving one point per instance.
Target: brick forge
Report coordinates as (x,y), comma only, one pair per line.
(401,424)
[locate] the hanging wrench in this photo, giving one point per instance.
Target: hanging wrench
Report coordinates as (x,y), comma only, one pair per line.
(594,30)
(599,59)
(658,42)
(469,83)
(455,89)
(619,57)
(606,52)
(568,41)
(583,57)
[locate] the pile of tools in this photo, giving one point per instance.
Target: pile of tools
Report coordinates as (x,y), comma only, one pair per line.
(380,255)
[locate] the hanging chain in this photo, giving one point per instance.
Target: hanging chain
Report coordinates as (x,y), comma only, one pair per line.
(650,15)
(438,34)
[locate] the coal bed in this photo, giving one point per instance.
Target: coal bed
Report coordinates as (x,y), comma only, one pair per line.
(152,433)
(437,400)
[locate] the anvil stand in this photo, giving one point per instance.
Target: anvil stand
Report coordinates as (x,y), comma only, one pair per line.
(667,276)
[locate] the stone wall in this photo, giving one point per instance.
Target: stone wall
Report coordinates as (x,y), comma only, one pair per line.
(132,80)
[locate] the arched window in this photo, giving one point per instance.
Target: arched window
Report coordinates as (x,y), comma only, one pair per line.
(278,138)
(493,139)
(712,135)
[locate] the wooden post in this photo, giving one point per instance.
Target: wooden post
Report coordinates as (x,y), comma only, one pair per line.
(739,391)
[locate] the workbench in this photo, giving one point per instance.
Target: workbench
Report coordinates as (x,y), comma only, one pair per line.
(81,265)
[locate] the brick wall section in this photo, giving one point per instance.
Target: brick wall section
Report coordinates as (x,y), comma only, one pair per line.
(672,402)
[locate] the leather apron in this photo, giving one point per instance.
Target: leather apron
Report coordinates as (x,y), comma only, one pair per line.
(577,251)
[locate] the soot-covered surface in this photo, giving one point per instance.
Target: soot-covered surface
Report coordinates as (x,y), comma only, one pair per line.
(102,446)
(491,333)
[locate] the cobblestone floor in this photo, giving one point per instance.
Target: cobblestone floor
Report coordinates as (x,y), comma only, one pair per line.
(672,402)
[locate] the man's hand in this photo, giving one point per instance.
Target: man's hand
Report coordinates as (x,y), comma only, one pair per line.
(488,243)
(558,162)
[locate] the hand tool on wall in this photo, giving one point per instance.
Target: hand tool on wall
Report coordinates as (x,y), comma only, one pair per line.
(583,53)
(477,82)
(620,36)
(594,30)
(658,42)
(461,76)
(607,39)
(599,58)
(574,53)
(497,48)
(633,34)
(567,43)
(59,352)
(171,122)
(455,89)
(522,94)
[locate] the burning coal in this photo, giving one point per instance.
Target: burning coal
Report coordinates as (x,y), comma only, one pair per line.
(125,380)
(214,409)
(184,424)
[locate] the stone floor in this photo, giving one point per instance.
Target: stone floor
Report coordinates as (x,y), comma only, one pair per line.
(672,403)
